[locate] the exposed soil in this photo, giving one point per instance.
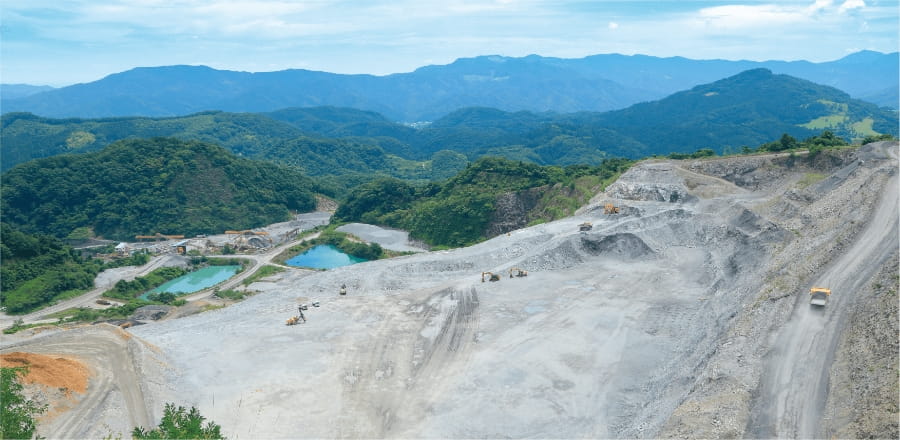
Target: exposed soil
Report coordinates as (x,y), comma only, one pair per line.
(51,371)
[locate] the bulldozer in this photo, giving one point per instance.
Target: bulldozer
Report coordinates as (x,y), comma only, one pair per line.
(586,226)
(818,296)
(293,320)
(518,272)
(491,276)
(609,208)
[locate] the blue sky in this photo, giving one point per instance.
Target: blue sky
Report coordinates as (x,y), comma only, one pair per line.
(61,42)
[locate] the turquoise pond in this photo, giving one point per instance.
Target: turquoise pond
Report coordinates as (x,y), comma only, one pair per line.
(197,280)
(323,257)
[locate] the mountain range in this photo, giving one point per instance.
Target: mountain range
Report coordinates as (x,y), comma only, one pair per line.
(744,110)
(532,83)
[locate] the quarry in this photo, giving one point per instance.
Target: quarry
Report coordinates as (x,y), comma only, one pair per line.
(685,314)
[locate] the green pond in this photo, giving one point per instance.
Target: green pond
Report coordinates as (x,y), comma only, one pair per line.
(195,281)
(323,256)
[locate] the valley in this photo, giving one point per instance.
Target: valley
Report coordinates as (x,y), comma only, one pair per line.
(684,315)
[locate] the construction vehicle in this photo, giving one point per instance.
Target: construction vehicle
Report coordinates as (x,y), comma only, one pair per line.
(609,208)
(586,226)
(518,272)
(343,289)
(491,276)
(293,320)
(818,296)
(158,236)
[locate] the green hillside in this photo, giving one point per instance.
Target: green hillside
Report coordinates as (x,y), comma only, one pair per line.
(458,212)
(745,110)
(145,186)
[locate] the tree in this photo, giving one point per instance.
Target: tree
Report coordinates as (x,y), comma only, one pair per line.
(179,423)
(17,414)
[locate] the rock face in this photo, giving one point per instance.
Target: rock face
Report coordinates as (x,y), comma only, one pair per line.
(863,388)
(151,313)
(651,183)
(511,211)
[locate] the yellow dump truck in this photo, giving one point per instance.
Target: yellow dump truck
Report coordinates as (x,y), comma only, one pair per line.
(818,296)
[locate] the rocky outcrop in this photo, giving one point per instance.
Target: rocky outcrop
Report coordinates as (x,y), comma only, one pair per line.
(511,210)
(651,182)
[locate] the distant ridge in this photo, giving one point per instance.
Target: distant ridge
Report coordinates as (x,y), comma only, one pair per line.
(532,83)
(746,109)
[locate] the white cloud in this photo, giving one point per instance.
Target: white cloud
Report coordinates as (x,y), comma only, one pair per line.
(740,17)
(613,25)
(852,4)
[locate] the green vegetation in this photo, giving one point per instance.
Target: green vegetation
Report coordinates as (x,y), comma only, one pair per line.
(180,423)
(262,272)
(829,121)
(17,413)
(85,314)
(146,186)
(345,242)
(809,179)
(347,147)
(129,290)
(39,270)
(863,128)
(814,144)
(458,212)
(234,295)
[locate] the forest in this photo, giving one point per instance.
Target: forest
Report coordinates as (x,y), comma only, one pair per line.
(145,186)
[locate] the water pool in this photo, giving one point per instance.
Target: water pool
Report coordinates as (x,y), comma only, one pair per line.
(323,256)
(195,281)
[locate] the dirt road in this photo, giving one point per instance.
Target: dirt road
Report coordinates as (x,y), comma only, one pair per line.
(105,280)
(792,398)
(114,384)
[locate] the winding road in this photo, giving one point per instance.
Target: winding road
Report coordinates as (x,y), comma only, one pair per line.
(793,391)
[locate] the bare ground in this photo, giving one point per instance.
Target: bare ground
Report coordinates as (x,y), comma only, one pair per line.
(665,320)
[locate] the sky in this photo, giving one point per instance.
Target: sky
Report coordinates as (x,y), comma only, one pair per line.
(62,42)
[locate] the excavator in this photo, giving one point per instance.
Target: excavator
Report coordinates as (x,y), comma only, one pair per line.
(518,272)
(818,296)
(609,208)
(491,276)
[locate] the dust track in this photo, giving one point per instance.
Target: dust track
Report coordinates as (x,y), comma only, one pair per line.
(792,398)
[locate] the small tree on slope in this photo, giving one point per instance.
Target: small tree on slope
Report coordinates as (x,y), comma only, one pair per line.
(179,423)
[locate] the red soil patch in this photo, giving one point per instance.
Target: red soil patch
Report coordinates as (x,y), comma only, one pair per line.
(51,371)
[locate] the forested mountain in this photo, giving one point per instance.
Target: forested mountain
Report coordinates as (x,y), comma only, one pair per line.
(351,146)
(532,83)
(24,136)
(744,110)
(146,186)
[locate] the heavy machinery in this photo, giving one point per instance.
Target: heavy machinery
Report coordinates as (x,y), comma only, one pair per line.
(609,208)
(158,236)
(293,320)
(818,296)
(586,226)
(491,276)
(518,272)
